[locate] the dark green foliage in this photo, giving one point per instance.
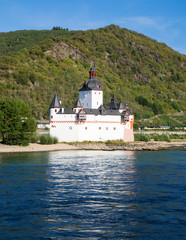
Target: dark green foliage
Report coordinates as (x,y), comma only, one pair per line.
(142,101)
(34,138)
(176,136)
(176,106)
(161,137)
(156,137)
(147,137)
(157,108)
(34,65)
(164,137)
(47,139)
(16,125)
(142,137)
(162,120)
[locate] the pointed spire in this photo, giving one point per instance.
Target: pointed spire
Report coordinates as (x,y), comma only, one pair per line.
(114,98)
(113,103)
(93,67)
(121,106)
(101,107)
(55,102)
(78,104)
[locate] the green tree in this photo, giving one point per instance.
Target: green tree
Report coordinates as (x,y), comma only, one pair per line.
(157,108)
(142,101)
(16,125)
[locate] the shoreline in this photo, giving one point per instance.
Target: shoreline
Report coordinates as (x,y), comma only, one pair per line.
(133,146)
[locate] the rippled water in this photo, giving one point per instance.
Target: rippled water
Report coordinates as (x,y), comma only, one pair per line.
(93,195)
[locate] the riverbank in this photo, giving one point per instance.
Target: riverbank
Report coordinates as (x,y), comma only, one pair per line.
(133,146)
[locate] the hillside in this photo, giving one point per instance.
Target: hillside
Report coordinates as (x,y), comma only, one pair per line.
(148,75)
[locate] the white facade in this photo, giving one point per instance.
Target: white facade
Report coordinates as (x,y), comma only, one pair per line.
(91,99)
(67,128)
(90,120)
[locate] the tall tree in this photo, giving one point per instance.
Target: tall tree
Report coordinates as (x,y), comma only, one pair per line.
(16,125)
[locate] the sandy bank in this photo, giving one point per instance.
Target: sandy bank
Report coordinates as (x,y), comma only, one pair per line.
(34,147)
(134,146)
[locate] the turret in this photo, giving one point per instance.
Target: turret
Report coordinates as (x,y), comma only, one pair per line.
(113,104)
(91,94)
(93,73)
(121,107)
(77,106)
(55,107)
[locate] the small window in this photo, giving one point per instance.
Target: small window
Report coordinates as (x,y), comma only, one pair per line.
(99,128)
(55,110)
(51,116)
(114,128)
(106,128)
(85,128)
(70,127)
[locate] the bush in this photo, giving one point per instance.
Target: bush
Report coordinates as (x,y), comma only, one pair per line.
(47,139)
(142,137)
(55,140)
(165,137)
(24,142)
(156,137)
(34,138)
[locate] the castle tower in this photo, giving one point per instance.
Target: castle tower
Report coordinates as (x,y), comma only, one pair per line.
(91,94)
(55,106)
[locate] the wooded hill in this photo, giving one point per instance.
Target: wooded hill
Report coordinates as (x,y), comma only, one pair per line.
(146,74)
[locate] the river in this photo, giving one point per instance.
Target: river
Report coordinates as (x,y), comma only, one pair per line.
(93,195)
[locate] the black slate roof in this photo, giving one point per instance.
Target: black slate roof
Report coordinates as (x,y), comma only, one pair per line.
(55,102)
(99,111)
(66,111)
(121,106)
(92,84)
(78,104)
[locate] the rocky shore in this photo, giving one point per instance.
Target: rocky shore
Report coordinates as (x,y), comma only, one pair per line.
(133,146)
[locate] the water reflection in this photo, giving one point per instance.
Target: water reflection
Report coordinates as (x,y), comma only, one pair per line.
(92,195)
(90,190)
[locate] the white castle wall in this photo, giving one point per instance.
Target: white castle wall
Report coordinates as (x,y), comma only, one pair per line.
(96,128)
(71,132)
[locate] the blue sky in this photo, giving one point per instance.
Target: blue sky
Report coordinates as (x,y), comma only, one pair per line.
(163,20)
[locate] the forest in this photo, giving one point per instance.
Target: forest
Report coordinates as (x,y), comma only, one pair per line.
(146,74)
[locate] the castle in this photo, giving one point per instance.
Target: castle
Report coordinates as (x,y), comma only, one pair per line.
(89,119)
